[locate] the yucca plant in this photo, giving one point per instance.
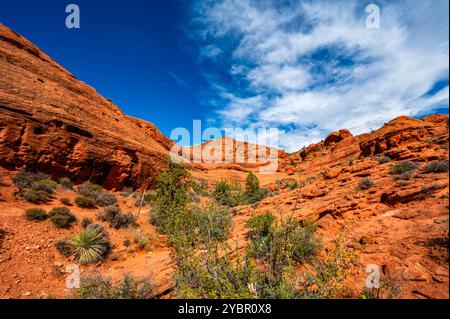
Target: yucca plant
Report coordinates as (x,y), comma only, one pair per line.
(89,246)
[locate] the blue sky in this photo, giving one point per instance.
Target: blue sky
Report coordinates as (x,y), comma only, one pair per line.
(304,67)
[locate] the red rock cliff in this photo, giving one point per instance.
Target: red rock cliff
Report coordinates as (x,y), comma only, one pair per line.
(52,122)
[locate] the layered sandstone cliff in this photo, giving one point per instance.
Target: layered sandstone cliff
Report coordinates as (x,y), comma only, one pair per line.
(54,123)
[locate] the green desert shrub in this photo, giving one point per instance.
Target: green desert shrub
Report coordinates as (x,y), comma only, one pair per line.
(126,192)
(59,211)
(251,184)
(261,225)
(257,196)
(291,185)
(86,190)
(253,193)
(214,274)
(84,202)
(105,199)
(34,187)
(436,167)
(25,179)
(326,279)
(36,196)
(86,222)
(98,287)
(171,199)
(221,190)
(46,185)
(211,275)
(228,195)
(193,226)
(366,183)
(65,201)
(89,246)
(63,248)
(66,182)
(116,219)
(127,243)
(280,245)
(36,214)
(93,192)
(402,167)
(61,217)
(405,176)
(3,234)
(213,223)
(142,241)
(384,159)
(195,187)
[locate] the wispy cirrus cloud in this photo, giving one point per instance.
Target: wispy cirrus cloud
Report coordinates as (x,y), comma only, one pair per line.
(178,80)
(309,68)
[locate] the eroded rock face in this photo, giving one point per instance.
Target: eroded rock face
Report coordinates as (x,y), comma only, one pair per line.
(336,137)
(52,122)
(403,131)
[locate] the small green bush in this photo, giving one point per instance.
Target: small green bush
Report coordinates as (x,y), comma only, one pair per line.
(105,199)
(221,190)
(436,167)
(195,187)
(279,245)
(59,211)
(228,195)
(127,243)
(93,192)
(405,176)
(61,217)
(251,184)
(257,196)
(291,185)
(366,183)
(66,182)
(95,187)
(210,275)
(86,222)
(261,225)
(116,219)
(36,196)
(213,223)
(402,167)
(63,248)
(84,202)
(98,287)
(24,179)
(195,225)
(384,159)
(34,187)
(142,241)
(127,192)
(86,190)
(36,214)
(65,201)
(46,185)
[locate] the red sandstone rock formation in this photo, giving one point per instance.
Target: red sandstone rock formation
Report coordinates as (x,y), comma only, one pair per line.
(52,122)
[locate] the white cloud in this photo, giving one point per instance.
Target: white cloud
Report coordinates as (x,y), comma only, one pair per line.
(178,80)
(314,66)
(210,51)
